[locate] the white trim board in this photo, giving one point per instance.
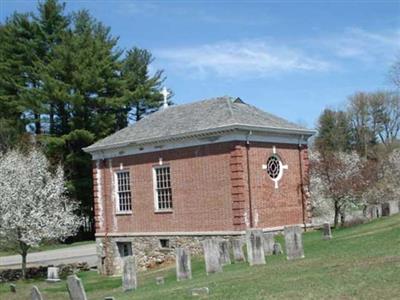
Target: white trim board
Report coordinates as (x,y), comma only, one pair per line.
(293,139)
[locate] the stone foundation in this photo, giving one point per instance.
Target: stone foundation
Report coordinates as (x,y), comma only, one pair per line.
(150,251)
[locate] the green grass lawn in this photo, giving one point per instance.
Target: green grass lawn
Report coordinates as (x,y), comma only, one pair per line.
(46,247)
(362,262)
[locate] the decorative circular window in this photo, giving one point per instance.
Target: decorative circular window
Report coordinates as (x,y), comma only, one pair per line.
(274,166)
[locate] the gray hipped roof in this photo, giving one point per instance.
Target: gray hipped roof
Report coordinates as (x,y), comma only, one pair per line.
(215,114)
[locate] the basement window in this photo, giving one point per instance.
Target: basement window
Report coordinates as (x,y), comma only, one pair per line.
(164,243)
(124,249)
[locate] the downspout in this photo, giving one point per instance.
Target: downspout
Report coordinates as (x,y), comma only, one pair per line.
(303,204)
(248,178)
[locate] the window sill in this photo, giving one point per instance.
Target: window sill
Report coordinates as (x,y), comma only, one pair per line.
(122,213)
(164,211)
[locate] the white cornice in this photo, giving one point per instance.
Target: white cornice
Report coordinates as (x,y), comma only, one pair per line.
(204,139)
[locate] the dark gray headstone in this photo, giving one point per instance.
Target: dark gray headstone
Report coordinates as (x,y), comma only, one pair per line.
(327,232)
(277,249)
(224,254)
(52,274)
(255,247)
(35,293)
(211,256)
(237,247)
(129,279)
(269,241)
(199,292)
(13,288)
(160,280)
(75,288)
(183,264)
(294,242)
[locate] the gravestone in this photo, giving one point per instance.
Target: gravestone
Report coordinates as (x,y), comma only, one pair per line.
(13,288)
(160,280)
(52,274)
(35,293)
(75,287)
(109,298)
(293,242)
(255,248)
(237,247)
(269,241)
(224,255)
(183,264)
(211,256)
(200,292)
(327,232)
(129,279)
(277,249)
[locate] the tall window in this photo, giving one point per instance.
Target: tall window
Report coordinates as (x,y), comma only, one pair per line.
(124,191)
(163,191)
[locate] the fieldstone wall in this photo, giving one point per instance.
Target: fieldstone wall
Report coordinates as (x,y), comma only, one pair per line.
(148,250)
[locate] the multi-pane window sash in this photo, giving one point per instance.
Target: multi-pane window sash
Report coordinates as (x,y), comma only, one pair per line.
(163,192)
(124,191)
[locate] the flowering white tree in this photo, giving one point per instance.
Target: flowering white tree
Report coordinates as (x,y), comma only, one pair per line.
(386,184)
(33,203)
(337,178)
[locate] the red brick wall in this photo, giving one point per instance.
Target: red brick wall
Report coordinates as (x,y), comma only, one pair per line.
(209,190)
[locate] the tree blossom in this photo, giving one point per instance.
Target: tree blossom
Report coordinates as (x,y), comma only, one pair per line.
(33,202)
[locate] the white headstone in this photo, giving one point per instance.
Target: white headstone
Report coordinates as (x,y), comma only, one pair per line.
(52,274)
(237,247)
(255,247)
(129,279)
(211,256)
(294,242)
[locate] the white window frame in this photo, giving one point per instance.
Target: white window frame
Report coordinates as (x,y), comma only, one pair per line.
(155,190)
(116,192)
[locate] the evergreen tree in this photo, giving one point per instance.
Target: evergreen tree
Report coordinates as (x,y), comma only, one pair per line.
(334,132)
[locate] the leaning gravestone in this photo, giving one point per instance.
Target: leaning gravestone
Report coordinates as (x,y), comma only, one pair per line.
(13,288)
(35,294)
(52,274)
(237,247)
(255,248)
(293,242)
(129,279)
(327,232)
(269,242)
(183,264)
(75,288)
(224,255)
(211,256)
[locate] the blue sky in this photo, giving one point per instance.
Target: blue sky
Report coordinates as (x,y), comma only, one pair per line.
(291,58)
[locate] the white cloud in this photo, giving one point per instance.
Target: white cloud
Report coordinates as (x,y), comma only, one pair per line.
(231,59)
(367,46)
(269,57)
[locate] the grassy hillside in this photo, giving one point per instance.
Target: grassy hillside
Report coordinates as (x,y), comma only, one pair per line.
(361,262)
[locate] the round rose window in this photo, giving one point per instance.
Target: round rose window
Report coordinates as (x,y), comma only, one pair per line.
(273,166)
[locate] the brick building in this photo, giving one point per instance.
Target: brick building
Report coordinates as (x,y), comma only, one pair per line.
(205,169)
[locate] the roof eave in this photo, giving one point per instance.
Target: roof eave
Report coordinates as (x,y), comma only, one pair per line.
(218,130)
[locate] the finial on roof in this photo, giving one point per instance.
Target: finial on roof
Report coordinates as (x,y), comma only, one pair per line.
(165,93)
